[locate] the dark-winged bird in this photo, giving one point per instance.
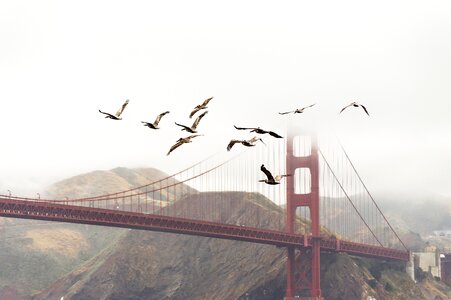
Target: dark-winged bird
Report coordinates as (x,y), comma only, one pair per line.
(193,127)
(248,143)
(259,131)
(200,106)
(270,179)
(355,104)
(154,125)
(297,110)
(182,141)
(117,116)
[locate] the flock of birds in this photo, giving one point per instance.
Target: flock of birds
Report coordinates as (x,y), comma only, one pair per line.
(270,179)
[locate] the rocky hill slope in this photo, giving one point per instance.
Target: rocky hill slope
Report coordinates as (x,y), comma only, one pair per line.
(151,265)
(35,253)
(52,260)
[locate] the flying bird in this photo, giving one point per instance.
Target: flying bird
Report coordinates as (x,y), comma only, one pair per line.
(270,179)
(248,143)
(200,106)
(117,116)
(193,127)
(182,141)
(154,125)
(355,104)
(260,131)
(297,110)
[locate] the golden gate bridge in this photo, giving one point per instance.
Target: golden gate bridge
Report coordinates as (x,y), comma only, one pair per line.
(323,206)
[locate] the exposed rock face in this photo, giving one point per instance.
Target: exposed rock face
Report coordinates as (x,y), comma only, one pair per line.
(106,263)
(9,293)
(150,265)
(103,182)
(33,254)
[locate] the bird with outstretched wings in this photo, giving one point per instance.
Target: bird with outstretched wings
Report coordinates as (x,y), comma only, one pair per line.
(259,131)
(248,143)
(182,141)
(154,125)
(200,106)
(355,104)
(297,110)
(270,178)
(193,128)
(118,114)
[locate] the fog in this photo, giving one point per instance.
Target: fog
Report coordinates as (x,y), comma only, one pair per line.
(61,62)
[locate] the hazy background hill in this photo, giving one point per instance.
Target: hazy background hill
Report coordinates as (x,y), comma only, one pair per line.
(422,213)
(36,253)
(51,260)
(151,265)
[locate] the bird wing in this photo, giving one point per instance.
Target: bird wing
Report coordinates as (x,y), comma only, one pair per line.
(345,107)
(195,110)
(206,102)
(255,139)
(267,173)
(287,112)
(259,130)
(194,126)
(192,136)
(309,106)
(186,127)
(176,145)
(105,113)
(231,143)
(279,177)
(157,120)
(242,128)
(364,108)
(119,112)
(272,133)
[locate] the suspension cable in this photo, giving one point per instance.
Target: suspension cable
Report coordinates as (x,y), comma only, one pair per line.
(369,194)
(347,196)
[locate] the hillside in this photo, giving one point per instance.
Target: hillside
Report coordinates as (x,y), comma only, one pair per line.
(35,253)
(51,260)
(150,265)
(415,218)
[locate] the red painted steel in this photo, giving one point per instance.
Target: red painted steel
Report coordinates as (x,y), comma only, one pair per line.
(113,218)
(303,250)
(310,200)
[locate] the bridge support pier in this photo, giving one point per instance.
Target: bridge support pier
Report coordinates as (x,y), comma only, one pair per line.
(303,270)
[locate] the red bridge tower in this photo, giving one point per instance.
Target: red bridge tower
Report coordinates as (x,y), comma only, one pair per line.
(303,264)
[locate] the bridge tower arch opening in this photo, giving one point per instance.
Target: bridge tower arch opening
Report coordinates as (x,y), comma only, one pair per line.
(303,263)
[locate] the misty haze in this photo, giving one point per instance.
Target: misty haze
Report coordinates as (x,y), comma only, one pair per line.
(236,150)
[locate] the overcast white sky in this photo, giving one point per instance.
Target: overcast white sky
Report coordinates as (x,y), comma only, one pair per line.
(61,61)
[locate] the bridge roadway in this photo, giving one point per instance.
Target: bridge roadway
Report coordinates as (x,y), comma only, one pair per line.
(38,210)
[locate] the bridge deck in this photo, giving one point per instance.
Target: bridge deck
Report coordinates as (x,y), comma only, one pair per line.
(113,218)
